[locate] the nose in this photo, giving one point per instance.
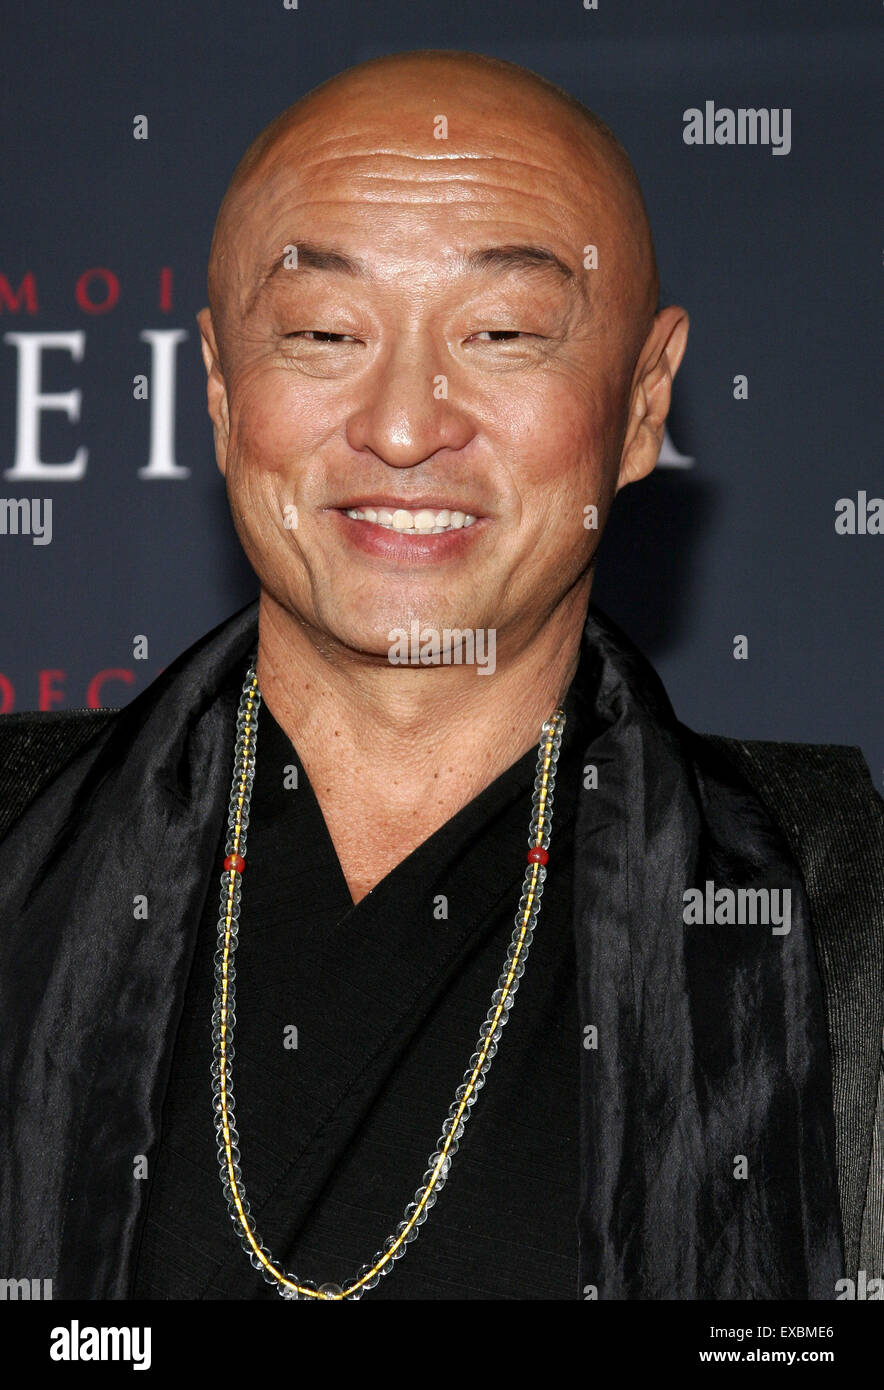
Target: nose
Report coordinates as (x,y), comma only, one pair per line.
(407,413)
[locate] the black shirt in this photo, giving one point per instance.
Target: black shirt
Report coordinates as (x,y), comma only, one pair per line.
(387,997)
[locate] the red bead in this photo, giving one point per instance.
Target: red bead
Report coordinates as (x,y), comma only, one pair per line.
(538,855)
(234,862)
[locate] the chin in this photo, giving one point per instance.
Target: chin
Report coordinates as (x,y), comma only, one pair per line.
(378,635)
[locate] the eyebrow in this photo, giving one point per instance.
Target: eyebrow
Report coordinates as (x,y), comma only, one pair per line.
(310,256)
(503,259)
(506,258)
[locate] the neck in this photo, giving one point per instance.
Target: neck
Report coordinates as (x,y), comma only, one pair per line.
(392,752)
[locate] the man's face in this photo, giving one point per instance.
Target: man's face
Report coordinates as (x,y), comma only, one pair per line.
(437,348)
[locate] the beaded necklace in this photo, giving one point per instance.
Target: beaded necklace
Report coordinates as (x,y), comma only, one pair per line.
(224,1017)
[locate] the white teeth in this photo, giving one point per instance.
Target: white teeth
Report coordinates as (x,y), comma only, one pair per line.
(425,522)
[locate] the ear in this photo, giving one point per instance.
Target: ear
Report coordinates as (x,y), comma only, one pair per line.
(651,394)
(216,389)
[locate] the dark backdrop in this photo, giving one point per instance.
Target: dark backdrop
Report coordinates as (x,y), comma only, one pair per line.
(777,258)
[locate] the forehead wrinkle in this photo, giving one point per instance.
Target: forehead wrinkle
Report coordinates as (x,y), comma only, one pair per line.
(374,167)
(308,149)
(311,174)
(318,182)
(311,139)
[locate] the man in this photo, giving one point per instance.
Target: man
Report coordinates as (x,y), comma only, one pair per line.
(434,355)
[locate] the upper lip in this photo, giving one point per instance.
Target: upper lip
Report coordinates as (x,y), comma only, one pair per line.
(409,504)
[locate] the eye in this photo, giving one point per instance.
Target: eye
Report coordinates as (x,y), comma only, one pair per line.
(317,335)
(500,335)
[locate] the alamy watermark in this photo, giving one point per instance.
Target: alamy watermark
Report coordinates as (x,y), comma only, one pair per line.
(747,125)
(25,1290)
(448,646)
(744,907)
(862,1288)
(76,1343)
(27,516)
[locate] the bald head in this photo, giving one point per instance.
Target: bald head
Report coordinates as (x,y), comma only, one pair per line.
(494,111)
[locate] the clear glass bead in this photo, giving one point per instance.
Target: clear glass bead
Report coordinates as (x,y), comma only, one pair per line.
(415,1211)
(375,1279)
(530,900)
(408,1232)
(443,1167)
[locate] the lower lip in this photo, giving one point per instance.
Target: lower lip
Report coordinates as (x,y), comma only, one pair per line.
(406,547)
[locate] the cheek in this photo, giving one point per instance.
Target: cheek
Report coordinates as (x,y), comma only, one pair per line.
(564,436)
(274,421)
(260,421)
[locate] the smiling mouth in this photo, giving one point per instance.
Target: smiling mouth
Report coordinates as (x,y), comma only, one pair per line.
(423,522)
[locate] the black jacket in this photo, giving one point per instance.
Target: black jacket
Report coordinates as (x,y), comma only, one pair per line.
(714,1042)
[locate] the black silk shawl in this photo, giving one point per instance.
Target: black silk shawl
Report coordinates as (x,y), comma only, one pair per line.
(706,1126)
